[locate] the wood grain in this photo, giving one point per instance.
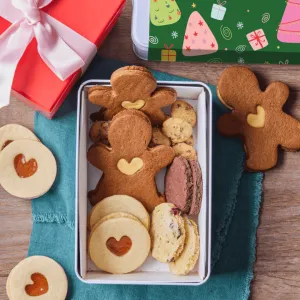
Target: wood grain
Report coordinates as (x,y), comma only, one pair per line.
(277,269)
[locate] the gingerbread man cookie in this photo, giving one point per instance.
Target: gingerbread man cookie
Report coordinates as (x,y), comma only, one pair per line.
(257,117)
(129,167)
(133,87)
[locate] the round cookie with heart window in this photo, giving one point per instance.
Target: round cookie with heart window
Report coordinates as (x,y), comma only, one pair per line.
(37,277)
(119,244)
(119,203)
(28,169)
(14,132)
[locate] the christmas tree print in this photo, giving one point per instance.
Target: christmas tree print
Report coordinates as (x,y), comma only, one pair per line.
(198,39)
(164,12)
(289,28)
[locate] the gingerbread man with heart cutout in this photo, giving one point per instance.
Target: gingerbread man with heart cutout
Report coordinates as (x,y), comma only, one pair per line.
(132,87)
(129,167)
(257,117)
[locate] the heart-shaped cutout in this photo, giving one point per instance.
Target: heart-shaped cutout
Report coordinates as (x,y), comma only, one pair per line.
(38,287)
(130,168)
(120,247)
(133,105)
(25,169)
(257,120)
(6,144)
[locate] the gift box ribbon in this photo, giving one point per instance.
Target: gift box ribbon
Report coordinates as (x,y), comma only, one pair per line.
(62,49)
(221,3)
(257,36)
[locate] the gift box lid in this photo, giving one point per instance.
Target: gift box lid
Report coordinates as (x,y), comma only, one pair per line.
(33,80)
(218,31)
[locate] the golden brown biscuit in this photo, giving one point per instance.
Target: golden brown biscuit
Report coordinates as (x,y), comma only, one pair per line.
(257,117)
(185,150)
(99,132)
(129,168)
(133,87)
(177,130)
(158,137)
(183,110)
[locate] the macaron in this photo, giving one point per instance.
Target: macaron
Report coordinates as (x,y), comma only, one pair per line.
(183,185)
(197,188)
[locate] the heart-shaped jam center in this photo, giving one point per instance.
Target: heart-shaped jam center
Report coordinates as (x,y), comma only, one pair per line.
(25,169)
(6,144)
(39,286)
(120,247)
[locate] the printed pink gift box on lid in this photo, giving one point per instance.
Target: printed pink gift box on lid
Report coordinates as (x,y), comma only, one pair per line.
(45,46)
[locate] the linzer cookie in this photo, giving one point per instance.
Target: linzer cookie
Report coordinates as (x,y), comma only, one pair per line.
(119,244)
(133,87)
(37,277)
(13,132)
(257,117)
(129,168)
(119,203)
(167,233)
(28,169)
(183,185)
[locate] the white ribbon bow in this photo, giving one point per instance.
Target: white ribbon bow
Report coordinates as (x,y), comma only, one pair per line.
(62,49)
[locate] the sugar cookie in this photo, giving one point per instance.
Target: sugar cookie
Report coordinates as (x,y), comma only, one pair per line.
(28,169)
(119,245)
(37,276)
(190,254)
(14,132)
(167,233)
(119,203)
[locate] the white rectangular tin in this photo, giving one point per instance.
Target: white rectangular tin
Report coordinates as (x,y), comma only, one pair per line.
(151,272)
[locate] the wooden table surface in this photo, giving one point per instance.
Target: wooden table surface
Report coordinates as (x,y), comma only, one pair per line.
(277,269)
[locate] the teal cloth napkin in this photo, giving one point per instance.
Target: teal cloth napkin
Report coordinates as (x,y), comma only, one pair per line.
(236,203)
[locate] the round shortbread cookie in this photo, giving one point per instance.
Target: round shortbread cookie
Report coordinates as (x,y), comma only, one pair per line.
(37,276)
(28,169)
(183,110)
(14,132)
(119,245)
(167,232)
(190,254)
(177,130)
(114,216)
(119,203)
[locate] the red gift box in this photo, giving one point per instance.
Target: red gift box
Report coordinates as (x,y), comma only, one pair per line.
(34,82)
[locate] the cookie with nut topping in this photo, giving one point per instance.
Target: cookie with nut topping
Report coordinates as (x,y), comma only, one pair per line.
(167,233)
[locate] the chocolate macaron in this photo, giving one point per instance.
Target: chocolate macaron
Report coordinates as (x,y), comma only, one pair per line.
(183,185)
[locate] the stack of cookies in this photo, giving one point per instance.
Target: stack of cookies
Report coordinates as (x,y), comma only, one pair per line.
(175,239)
(132,141)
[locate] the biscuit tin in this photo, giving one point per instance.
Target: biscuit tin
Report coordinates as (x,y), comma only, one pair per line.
(151,272)
(217,31)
